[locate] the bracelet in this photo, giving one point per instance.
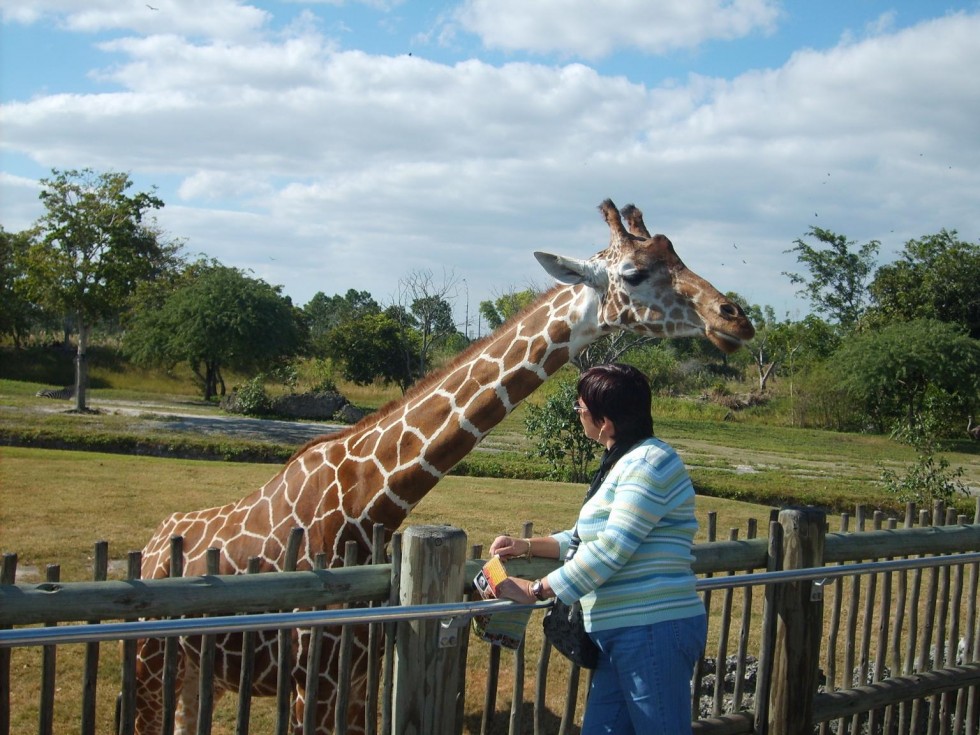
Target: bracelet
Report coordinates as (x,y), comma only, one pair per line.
(527,554)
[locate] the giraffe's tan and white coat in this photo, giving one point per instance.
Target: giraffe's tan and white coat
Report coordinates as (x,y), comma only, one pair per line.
(338,487)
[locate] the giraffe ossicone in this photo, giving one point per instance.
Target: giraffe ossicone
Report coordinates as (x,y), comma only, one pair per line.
(337,487)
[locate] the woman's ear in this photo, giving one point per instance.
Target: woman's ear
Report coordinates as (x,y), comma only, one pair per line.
(607,429)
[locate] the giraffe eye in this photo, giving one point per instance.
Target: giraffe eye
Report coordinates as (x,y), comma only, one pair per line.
(635,276)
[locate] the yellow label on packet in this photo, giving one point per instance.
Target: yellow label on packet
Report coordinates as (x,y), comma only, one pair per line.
(495,572)
(500,629)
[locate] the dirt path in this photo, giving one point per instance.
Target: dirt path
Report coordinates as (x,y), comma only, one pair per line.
(696,453)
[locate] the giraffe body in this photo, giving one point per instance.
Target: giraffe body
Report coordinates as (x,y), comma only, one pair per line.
(337,487)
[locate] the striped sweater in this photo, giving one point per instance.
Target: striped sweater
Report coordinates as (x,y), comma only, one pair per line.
(633,566)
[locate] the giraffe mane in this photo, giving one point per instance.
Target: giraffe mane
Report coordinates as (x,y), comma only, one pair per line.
(426,383)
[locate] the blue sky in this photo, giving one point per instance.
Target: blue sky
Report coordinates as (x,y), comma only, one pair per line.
(333,145)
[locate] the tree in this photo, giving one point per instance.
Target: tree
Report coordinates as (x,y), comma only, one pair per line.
(928,478)
(496,312)
(765,346)
(16,311)
(366,346)
(434,317)
(935,277)
(93,247)
(838,281)
(325,313)
(890,373)
(611,348)
(557,435)
(217,319)
(429,314)
(785,345)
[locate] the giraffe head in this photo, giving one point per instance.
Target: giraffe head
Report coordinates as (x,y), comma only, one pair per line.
(640,284)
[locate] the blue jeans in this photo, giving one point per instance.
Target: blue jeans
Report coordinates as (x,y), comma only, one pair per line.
(642,685)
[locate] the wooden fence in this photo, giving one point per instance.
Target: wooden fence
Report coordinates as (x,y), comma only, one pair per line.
(893,650)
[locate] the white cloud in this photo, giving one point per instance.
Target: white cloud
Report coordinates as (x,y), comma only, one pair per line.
(219,19)
(325,170)
(214,186)
(18,202)
(590,30)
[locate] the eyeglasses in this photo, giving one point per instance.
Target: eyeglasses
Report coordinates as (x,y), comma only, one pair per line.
(579,408)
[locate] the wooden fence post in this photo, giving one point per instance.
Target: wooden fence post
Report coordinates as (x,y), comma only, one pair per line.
(799,618)
(427,676)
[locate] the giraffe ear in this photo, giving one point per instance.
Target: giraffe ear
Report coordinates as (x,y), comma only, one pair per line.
(566,270)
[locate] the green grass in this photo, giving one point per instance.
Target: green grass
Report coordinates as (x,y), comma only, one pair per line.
(746,455)
(772,465)
(88,496)
(54,506)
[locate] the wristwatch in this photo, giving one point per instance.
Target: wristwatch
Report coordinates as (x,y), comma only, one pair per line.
(537,589)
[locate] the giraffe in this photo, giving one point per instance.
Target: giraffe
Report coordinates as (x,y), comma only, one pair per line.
(337,487)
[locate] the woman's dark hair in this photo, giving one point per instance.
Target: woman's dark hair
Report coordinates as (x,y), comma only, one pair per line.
(621,393)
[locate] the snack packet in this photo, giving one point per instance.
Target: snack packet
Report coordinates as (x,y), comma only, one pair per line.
(499,629)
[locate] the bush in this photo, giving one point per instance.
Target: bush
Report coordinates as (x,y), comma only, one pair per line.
(318,375)
(557,435)
(927,478)
(820,402)
(660,365)
(251,399)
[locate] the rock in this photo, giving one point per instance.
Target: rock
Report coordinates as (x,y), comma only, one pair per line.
(313,406)
(350,414)
(320,406)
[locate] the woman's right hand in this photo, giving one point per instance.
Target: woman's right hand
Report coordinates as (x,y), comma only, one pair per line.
(507,547)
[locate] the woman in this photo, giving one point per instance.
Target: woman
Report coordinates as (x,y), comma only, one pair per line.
(632,568)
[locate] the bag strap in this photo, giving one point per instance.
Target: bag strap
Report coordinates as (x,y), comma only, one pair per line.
(609,458)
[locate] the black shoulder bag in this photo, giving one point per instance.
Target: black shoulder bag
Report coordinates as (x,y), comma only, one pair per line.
(564,625)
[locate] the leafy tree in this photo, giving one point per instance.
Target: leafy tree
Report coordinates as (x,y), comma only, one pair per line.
(557,435)
(659,363)
(890,372)
(325,313)
(93,247)
(434,317)
(16,310)
(935,277)
(838,282)
(927,478)
(217,319)
(785,345)
(612,348)
(496,312)
(369,349)
(425,315)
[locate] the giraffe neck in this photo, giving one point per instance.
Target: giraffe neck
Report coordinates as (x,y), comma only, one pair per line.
(401,455)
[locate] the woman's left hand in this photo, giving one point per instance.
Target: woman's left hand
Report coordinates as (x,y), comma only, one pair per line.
(516,589)
(507,547)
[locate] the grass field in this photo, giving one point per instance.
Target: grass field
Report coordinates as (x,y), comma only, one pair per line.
(54,505)
(740,459)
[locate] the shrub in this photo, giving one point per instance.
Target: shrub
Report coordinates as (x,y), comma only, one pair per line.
(557,435)
(251,399)
(927,478)
(318,375)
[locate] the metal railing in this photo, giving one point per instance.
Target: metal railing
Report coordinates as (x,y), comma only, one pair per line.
(447,612)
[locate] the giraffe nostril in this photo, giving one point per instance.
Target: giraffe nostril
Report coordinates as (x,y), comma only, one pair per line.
(730,310)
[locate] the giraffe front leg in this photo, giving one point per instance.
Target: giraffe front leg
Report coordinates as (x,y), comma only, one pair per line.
(149,686)
(188,698)
(324,698)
